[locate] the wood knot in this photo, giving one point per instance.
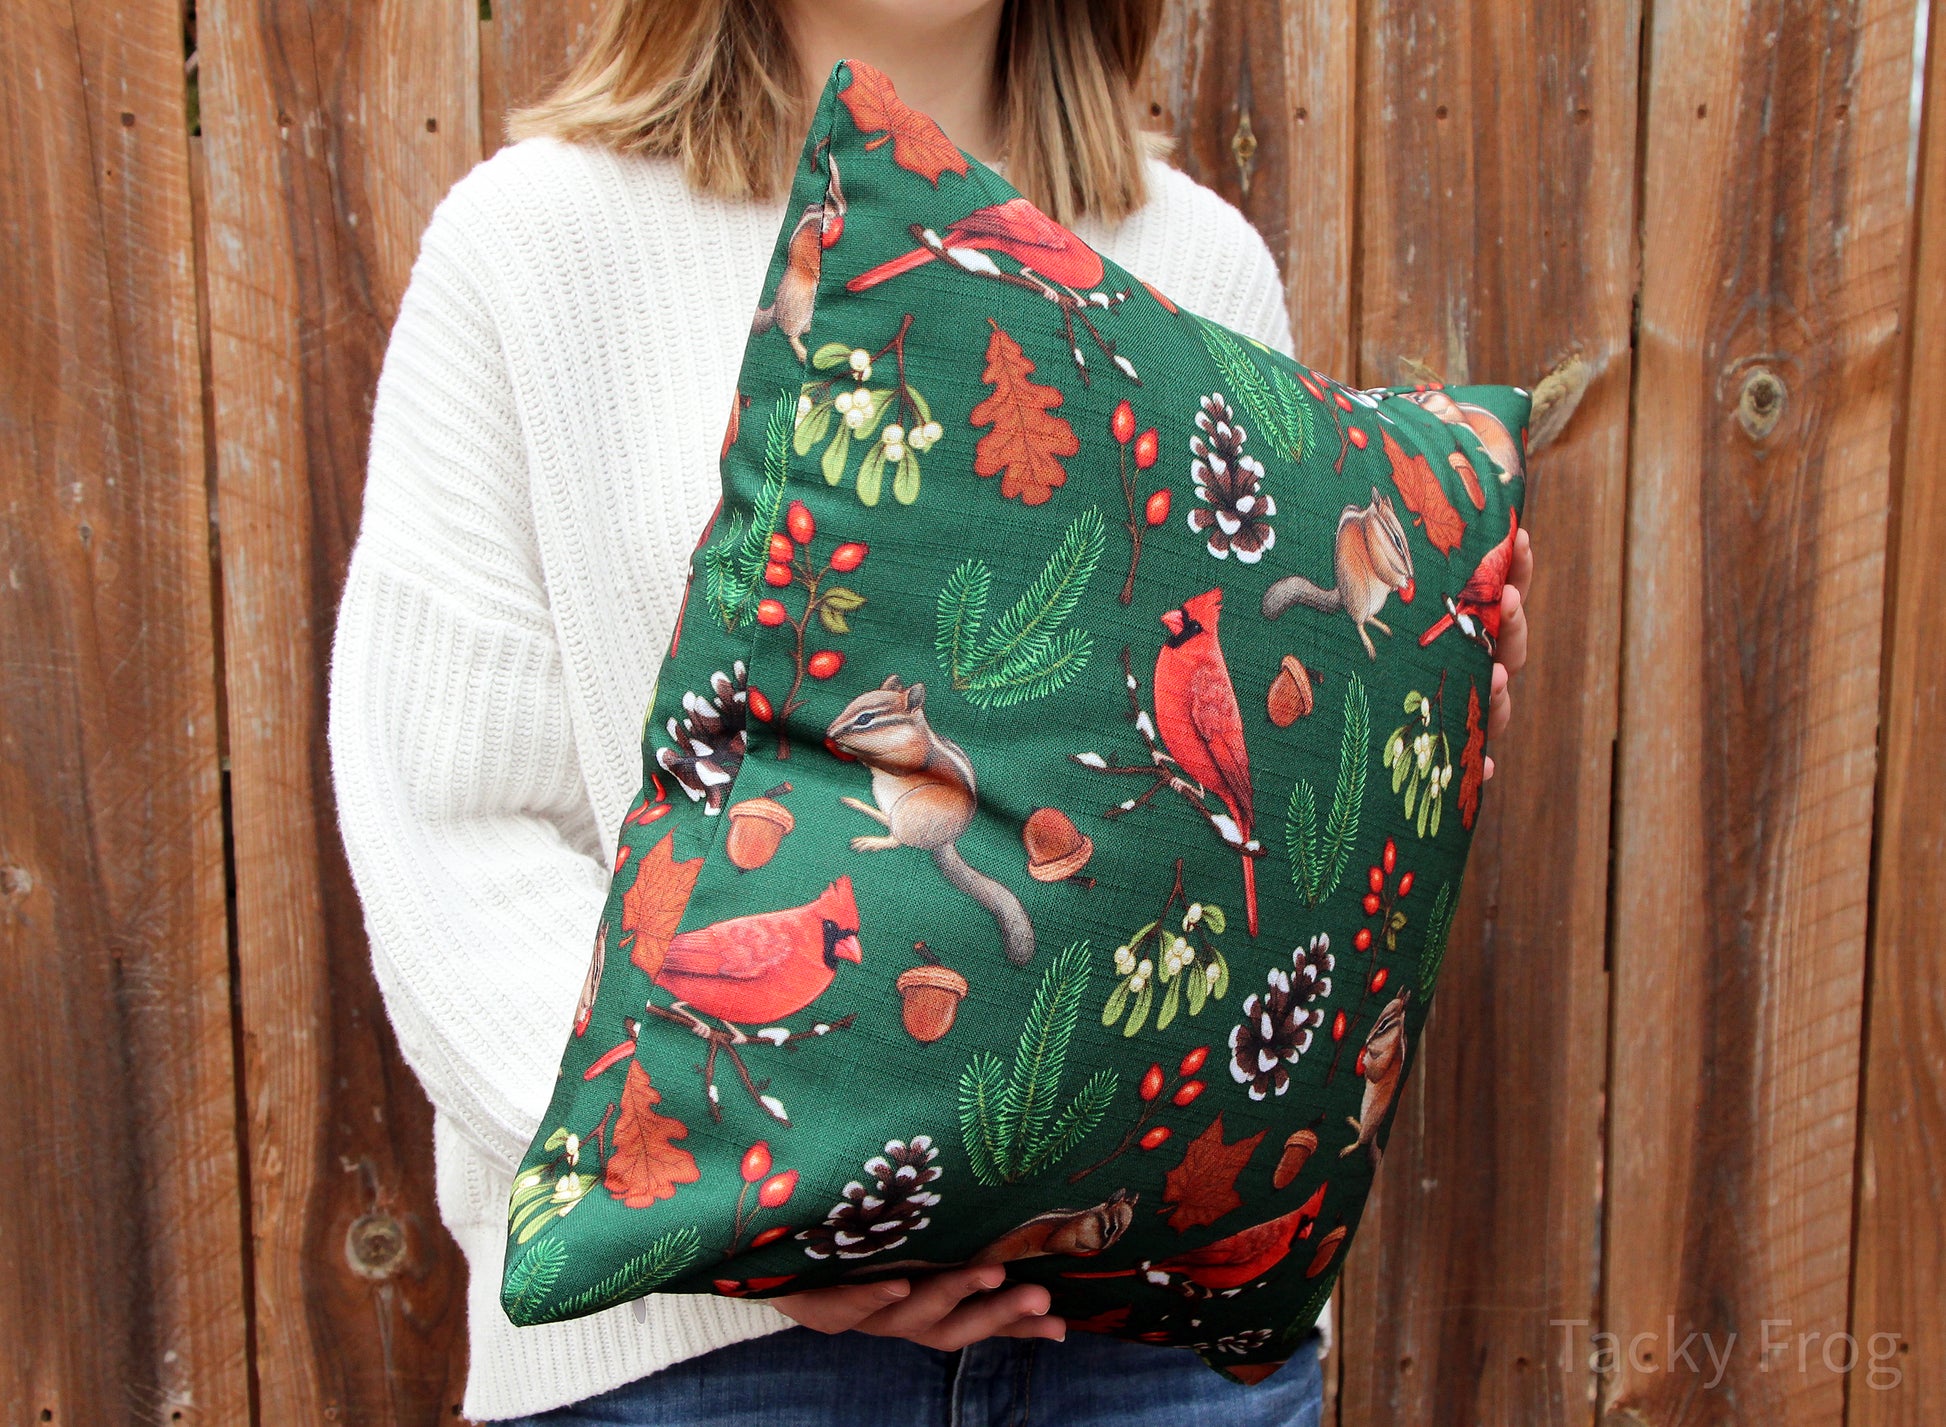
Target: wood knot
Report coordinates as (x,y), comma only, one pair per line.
(1760,405)
(1243,144)
(15,881)
(375,1246)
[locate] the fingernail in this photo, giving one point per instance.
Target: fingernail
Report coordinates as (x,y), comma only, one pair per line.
(894,1291)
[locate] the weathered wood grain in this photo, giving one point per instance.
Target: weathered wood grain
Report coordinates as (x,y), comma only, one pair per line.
(122,1297)
(525,46)
(1261,99)
(330,129)
(1496,175)
(1898,1307)
(1774,223)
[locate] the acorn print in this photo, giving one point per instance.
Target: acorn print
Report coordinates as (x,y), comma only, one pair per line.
(1056,848)
(929,995)
(1327,1250)
(757,827)
(1297,1150)
(1291,697)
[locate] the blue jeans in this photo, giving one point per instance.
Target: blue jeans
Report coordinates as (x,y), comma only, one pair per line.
(801,1378)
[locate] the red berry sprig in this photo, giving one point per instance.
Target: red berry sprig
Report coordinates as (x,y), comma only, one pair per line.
(790,566)
(1182,1089)
(1381,906)
(773,1192)
(1155,509)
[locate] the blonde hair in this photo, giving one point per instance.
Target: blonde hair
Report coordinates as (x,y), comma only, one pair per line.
(715,85)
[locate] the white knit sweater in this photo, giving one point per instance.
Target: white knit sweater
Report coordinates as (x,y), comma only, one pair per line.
(543,455)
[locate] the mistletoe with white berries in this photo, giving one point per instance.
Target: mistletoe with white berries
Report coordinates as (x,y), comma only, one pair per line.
(892,423)
(1186,962)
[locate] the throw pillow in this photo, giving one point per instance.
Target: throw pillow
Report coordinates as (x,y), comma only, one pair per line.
(1055,793)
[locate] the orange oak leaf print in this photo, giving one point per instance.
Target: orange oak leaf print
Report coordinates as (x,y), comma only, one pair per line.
(1425,497)
(652,907)
(1203,1187)
(646,1164)
(1473,763)
(918,144)
(1028,439)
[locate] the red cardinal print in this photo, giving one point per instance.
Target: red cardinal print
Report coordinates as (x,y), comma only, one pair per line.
(1228,1265)
(1016,229)
(1197,718)
(762,968)
(1476,612)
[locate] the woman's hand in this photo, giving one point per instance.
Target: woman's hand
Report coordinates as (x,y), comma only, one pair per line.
(945,1310)
(1511,651)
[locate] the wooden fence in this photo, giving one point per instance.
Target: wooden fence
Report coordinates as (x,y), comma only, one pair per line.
(1707,906)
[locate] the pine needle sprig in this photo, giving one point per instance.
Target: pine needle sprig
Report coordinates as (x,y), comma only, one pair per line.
(532,1279)
(1273,404)
(1026,654)
(1318,858)
(1008,1119)
(733,565)
(667,1258)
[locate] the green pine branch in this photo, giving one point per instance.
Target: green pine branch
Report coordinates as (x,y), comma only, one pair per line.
(981,1084)
(532,1279)
(669,1257)
(1008,1121)
(962,610)
(1318,858)
(1274,406)
(733,565)
(1026,654)
(1439,926)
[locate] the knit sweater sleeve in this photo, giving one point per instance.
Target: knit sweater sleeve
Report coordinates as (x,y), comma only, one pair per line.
(460,797)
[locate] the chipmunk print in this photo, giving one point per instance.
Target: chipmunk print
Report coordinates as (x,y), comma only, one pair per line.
(1384,1063)
(1500,445)
(925,794)
(1371,561)
(1070,1233)
(818,227)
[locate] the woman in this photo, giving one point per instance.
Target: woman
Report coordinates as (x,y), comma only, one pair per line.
(544,451)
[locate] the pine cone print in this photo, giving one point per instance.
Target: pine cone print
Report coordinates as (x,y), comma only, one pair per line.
(868,1221)
(708,743)
(1278,1021)
(1236,515)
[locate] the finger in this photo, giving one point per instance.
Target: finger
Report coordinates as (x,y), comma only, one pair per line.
(1500,705)
(1019,1311)
(1521,576)
(834,1310)
(1042,1326)
(932,1298)
(1510,648)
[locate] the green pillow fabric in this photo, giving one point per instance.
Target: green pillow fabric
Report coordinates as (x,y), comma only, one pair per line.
(1055,793)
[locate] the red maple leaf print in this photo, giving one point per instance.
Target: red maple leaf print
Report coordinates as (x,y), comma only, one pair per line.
(918,144)
(1027,438)
(1425,497)
(653,905)
(1203,1187)
(646,1164)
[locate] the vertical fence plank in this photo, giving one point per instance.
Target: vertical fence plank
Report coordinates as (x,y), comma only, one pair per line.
(1497,152)
(122,1299)
(330,130)
(1269,125)
(525,45)
(1774,228)
(1899,1276)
